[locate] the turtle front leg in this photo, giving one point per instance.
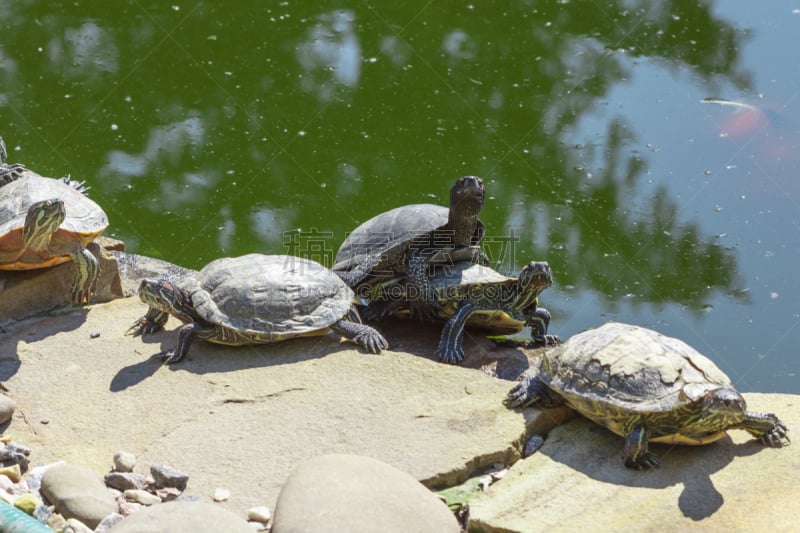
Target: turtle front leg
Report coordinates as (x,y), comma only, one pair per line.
(151,322)
(766,427)
(451,349)
(365,336)
(532,390)
(539,321)
(186,335)
(87,271)
(635,450)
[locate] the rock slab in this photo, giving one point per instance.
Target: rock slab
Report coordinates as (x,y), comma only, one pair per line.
(349,493)
(183,516)
(576,481)
(78,493)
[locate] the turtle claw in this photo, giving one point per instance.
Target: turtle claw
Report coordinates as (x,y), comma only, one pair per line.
(450,355)
(647,460)
(169,356)
(774,438)
(371,340)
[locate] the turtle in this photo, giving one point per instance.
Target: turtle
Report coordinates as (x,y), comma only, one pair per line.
(474,295)
(45,222)
(405,241)
(645,387)
(254,299)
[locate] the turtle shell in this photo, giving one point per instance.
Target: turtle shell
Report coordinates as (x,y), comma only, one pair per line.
(619,372)
(283,295)
(389,234)
(453,282)
(85,219)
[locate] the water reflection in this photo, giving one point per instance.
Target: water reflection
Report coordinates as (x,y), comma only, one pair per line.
(330,53)
(229,125)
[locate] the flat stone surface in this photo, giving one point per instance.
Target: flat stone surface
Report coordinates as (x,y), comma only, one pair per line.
(353,494)
(183,516)
(77,492)
(245,417)
(576,481)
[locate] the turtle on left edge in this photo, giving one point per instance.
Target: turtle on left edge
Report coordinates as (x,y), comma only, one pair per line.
(45,222)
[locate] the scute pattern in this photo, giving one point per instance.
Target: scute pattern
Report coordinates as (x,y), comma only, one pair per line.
(269,294)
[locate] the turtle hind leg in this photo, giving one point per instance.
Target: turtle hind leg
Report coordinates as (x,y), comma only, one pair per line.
(766,427)
(532,390)
(365,336)
(87,270)
(451,343)
(635,451)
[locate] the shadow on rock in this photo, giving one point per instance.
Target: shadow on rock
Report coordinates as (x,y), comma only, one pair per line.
(597,453)
(33,330)
(209,358)
(482,353)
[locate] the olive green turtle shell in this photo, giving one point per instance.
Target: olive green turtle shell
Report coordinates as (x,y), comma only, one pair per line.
(85,219)
(452,283)
(389,234)
(617,372)
(282,295)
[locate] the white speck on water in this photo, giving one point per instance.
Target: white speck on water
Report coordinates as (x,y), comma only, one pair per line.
(176,8)
(228,73)
(67,96)
(323,185)
(301,133)
(114,127)
(128,99)
(40,49)
(212,37)
(773,295)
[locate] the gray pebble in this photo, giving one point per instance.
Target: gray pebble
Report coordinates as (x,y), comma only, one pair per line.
(166,476)
(533,445)
(125,480)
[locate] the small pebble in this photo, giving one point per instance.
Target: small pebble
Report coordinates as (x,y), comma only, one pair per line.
(166,476)
(533,444)
(27,503)
(221,494)
(167,494)
(7,408)
(108,522)
(259,514)
(124,462)
(125,480)
(76,526)
(142,496)
(43,513)
(127,508)
(56,522)
(12,472)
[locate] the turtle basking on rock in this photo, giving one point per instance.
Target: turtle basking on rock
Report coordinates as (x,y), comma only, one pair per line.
(254,299)
(45,222)
(479,297)
(646,387)
(404,242)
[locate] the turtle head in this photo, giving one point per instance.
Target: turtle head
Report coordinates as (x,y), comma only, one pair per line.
(532,280)
(161,294)
(466,197)
(43,219)
(724,407)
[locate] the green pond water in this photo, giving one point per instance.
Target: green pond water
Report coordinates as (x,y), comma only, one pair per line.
(647,150)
